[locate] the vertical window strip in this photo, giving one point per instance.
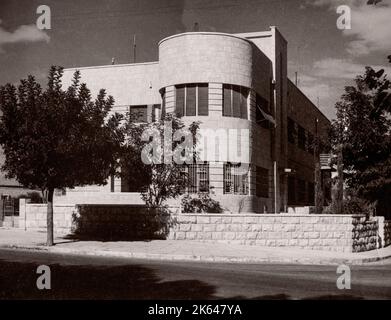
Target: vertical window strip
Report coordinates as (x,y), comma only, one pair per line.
(180,100)
(203,99)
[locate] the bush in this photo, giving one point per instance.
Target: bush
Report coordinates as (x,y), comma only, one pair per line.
(352,205)
(200,204)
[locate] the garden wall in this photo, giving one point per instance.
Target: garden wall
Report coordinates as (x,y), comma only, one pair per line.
(348,233)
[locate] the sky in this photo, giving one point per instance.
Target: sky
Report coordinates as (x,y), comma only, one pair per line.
(92,32)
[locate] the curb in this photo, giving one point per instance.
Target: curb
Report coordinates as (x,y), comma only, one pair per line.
(198,258)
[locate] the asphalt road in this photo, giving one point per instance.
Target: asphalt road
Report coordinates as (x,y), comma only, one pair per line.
(76,277)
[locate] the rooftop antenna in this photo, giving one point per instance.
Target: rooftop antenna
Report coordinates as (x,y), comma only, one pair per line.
(134,48)
(196,27)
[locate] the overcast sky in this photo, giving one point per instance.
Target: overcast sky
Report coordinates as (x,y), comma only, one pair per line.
(91,32)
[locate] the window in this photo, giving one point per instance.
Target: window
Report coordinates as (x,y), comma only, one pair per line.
(235,179)
(261,103)
(156,112)
(291,131)
(301,185)
(203,99)
(138,113)
(180,100)
(301,137)
(235,101)
(163,110)
(262,182)
(191,99)
(291,190)
(198,177)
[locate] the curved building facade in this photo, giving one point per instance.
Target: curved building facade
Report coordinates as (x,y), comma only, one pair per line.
(236,86)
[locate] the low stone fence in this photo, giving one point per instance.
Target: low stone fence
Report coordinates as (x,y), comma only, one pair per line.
(348,233)
(33,217)
(322,232)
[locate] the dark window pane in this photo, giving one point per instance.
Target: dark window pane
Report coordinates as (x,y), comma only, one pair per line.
(227,111)
(191,100)
(243,103)
(236,101)
(301,138)
(301,191)
(179,100)
(203,99)
(291,191)
(163,111)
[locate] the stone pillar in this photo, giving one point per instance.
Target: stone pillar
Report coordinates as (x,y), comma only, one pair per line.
(22,214)
(381,234)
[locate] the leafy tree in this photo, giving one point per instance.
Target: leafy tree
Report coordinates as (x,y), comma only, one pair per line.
(57,138)
(362,132)
(154,173)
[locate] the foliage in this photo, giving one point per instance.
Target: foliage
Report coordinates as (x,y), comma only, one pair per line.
(34,196)
(201,203)
(154,174)
(362,131)
(57,138)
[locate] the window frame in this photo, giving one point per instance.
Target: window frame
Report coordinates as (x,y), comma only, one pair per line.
(242,106)
(197,87)
(234,182)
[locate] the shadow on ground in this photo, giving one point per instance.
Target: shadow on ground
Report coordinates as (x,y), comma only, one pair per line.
(18,281)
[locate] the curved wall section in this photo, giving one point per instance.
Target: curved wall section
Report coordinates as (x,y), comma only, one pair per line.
(208,57)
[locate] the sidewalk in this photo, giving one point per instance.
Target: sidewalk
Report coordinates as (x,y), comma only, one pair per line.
(185,250)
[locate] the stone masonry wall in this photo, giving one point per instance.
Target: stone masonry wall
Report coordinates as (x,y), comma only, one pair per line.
(321,232)
(348,233)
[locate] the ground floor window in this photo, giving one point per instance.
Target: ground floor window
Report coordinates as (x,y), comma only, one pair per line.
(198,177)
(235,179)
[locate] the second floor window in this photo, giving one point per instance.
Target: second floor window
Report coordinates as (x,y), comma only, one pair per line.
(191,99)
(235,101)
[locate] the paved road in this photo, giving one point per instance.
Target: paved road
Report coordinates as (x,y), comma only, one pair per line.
(75,277)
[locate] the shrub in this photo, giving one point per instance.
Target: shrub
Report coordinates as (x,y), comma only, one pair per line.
(200,204)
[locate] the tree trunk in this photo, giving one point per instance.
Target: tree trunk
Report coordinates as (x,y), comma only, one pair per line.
(50,237)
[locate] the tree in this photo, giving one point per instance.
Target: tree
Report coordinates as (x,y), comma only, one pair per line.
(362,131)
(57,138)
(152,166)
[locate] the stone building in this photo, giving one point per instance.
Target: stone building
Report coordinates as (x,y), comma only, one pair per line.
(225,81)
